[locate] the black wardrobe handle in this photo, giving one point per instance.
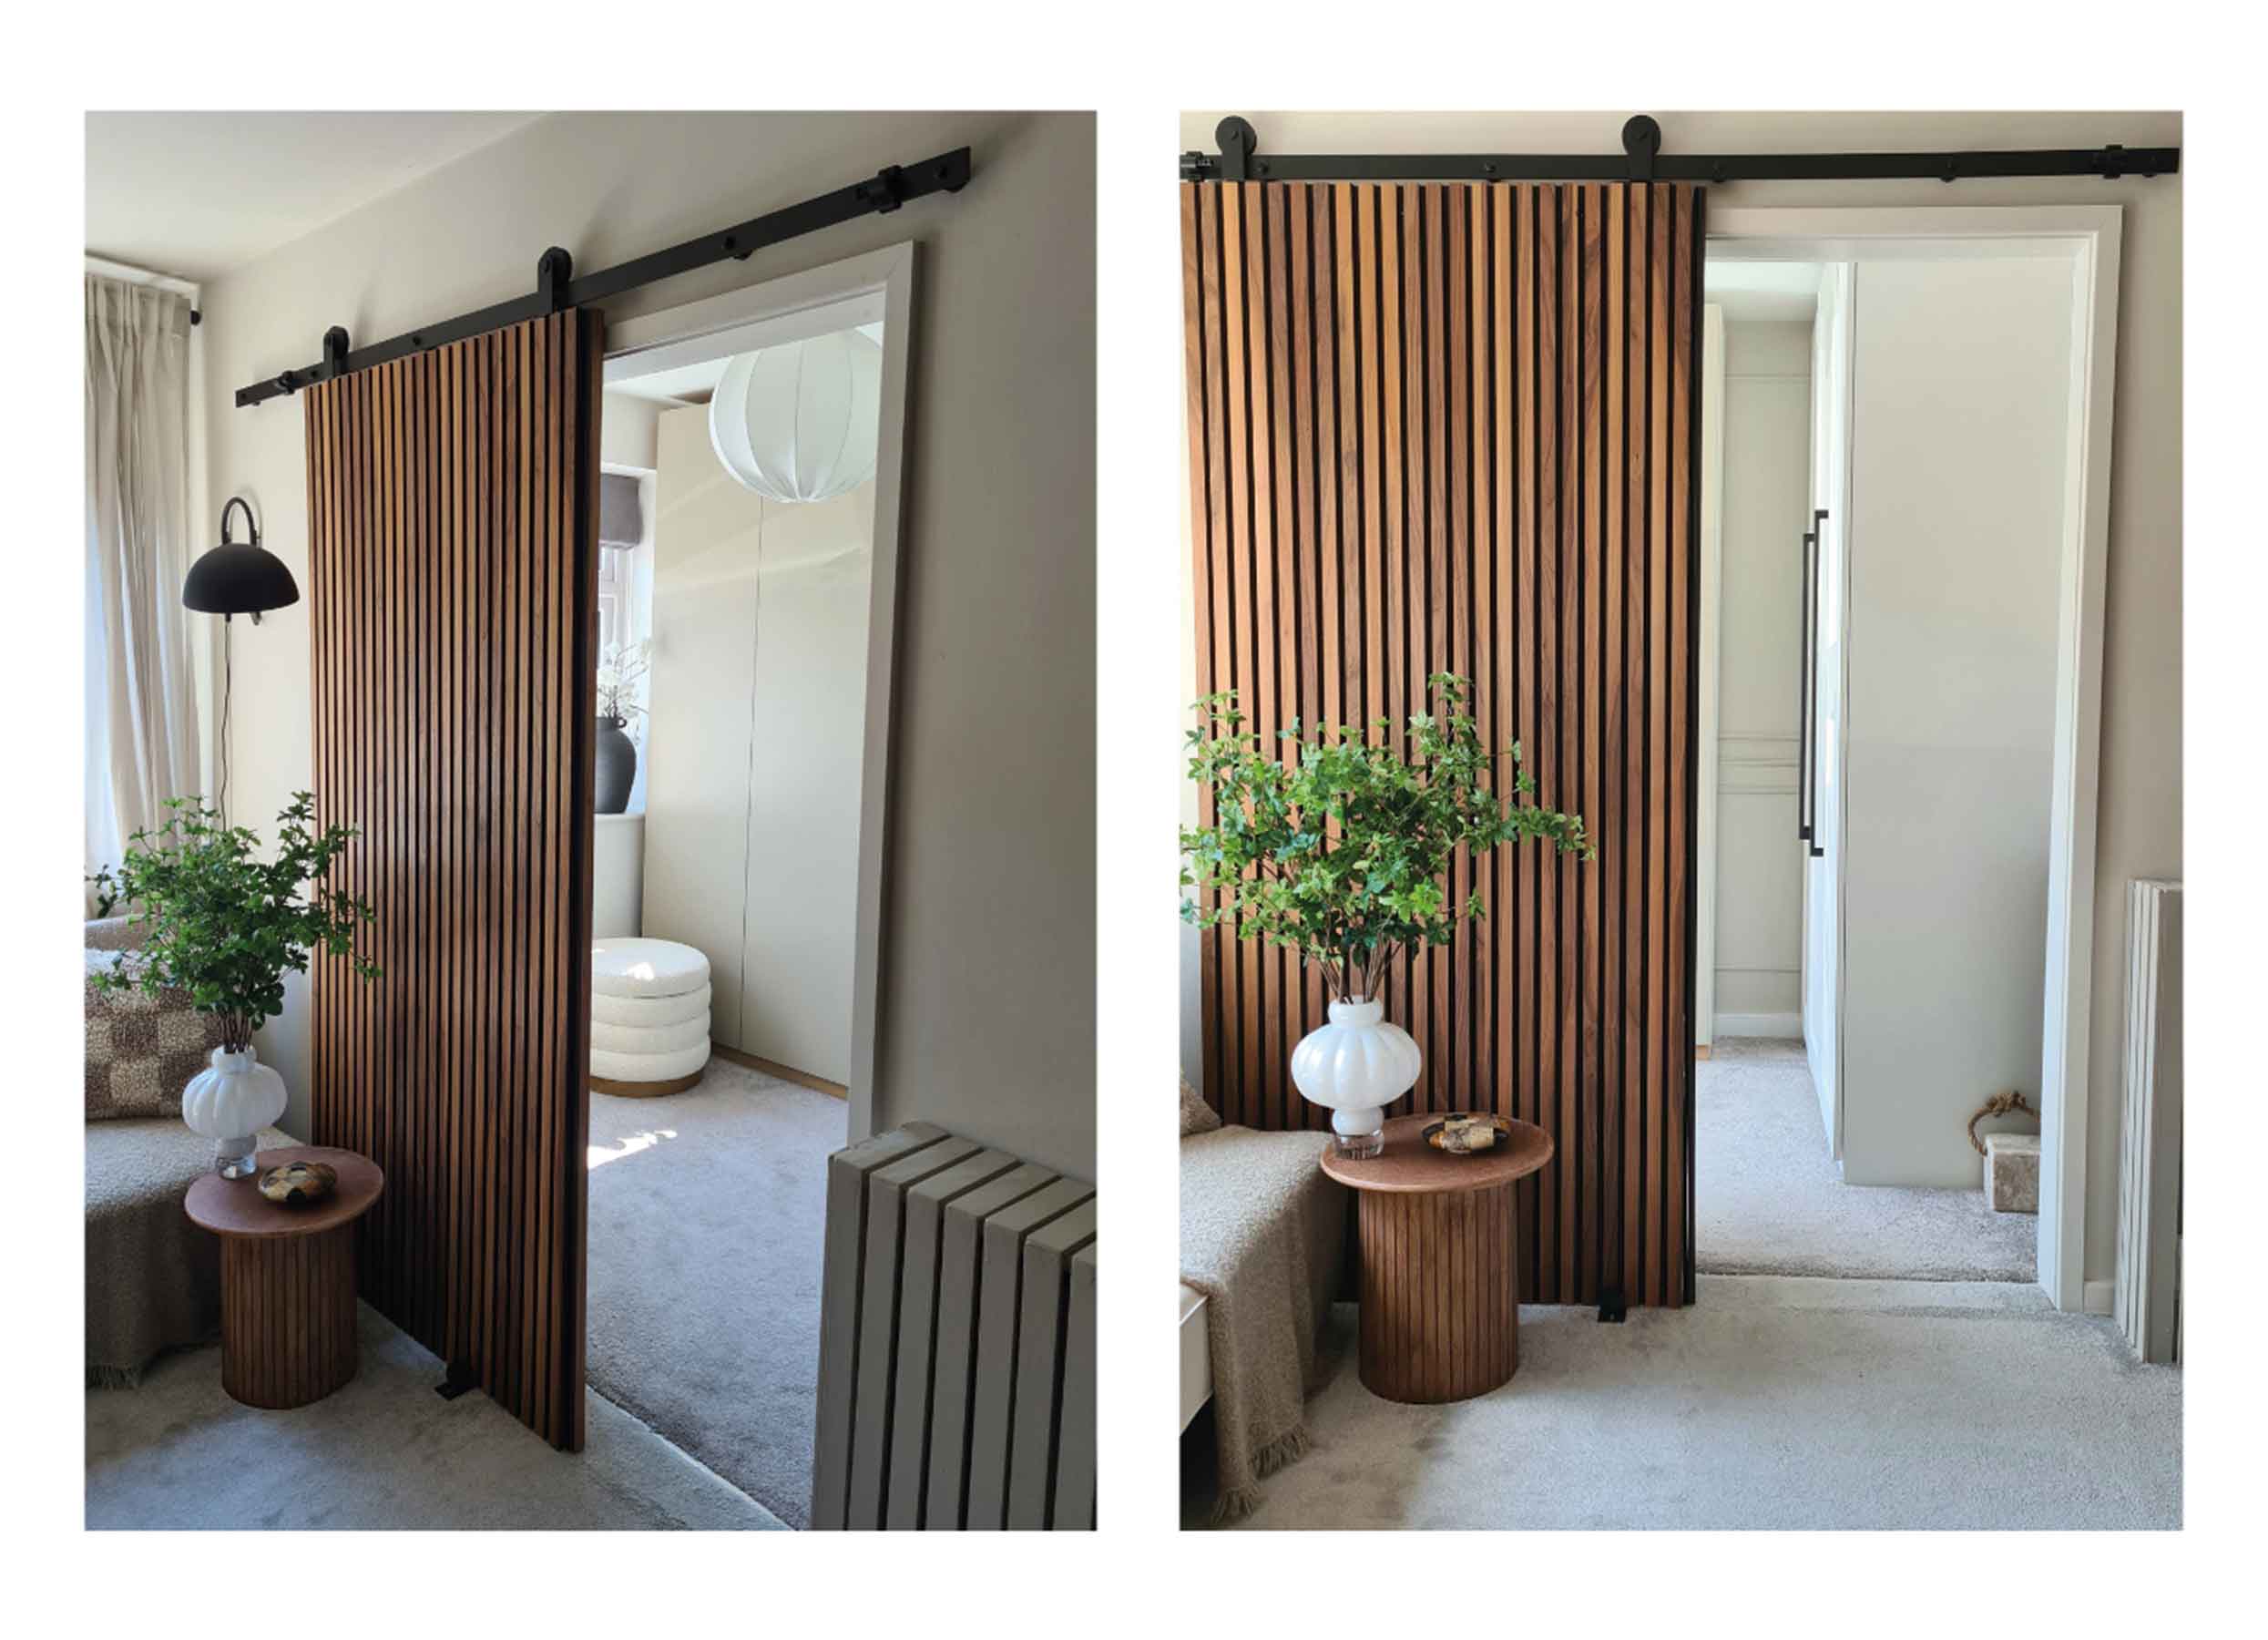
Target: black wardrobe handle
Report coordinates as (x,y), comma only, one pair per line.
(1809,801)
(1806,555)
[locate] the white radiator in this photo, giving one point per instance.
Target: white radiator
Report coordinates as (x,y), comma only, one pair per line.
(957,1348)
(2147,1298)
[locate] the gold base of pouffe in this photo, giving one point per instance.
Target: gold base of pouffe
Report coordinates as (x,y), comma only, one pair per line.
(628,1090)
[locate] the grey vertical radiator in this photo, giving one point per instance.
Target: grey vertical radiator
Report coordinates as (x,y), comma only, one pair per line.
(2147,1298)
(956,1344)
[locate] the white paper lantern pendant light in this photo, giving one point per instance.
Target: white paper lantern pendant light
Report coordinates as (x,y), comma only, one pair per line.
(798,422)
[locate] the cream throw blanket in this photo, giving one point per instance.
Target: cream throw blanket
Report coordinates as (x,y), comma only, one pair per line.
(1263,1235)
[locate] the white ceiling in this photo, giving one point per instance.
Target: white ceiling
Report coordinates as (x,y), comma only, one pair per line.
(198,195)
(1762,289)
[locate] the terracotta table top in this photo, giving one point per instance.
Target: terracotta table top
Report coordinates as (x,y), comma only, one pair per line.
(1409,1163)
(236,1208)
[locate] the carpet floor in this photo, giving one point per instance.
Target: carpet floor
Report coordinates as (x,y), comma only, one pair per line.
(1768,1199)
(706,1214)
(1773,1402)
(384,1451)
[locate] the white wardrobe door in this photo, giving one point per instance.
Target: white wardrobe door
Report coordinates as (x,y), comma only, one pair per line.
(700,692)
(1959,443)
(1821,741)
(804,781)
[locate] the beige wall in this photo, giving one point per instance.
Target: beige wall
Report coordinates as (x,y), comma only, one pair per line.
(2140,822)
(987,1005)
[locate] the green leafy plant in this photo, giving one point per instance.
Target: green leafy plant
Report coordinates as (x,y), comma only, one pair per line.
(1343,854)
(224,925)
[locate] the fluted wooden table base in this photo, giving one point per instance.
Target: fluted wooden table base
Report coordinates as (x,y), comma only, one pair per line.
(287,1316)
(1441,1312)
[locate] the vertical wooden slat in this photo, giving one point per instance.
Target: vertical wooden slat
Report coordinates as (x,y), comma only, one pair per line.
(1402,320)
(1262,344)
(1630,841)
(1432,1011)
(1607,822)
(1302,682)
(452,517)
(1200,299)
(1566,781)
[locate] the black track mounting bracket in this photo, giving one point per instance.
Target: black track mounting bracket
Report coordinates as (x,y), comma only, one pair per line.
(885,191)
(1612,1306)
(459,1380)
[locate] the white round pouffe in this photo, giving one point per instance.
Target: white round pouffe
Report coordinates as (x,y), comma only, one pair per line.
(649,1011)
(651,1039)
(646,968)
(649,1017)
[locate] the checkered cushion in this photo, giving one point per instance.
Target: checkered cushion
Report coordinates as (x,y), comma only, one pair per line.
(142,1049)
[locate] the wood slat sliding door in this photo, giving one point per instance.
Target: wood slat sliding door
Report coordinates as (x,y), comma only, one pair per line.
(1454,427)
(452,544)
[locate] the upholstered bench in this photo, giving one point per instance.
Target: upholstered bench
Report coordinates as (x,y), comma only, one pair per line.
(649,1016)
(153,1280)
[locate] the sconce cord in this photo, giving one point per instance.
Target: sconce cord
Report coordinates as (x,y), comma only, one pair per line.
(228,699)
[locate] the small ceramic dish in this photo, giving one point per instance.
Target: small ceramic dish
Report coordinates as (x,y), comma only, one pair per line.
(1461,1133)
(299,1183)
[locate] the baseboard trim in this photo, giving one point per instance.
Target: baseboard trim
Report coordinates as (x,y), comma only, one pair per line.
(2095,1297)
(1787,1027)
(818,1084)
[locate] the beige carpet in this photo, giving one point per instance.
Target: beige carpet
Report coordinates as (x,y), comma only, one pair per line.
(706,1216)
(1773,1402)
(1769,1201)
(384,1451)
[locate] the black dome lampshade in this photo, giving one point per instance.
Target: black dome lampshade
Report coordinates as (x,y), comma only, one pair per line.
(239,577)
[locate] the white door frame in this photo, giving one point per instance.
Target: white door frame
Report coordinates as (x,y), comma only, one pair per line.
(2089,234)
(877,285)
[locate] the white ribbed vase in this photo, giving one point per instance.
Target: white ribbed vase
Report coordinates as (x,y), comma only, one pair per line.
(228,1104)
(1355,1067)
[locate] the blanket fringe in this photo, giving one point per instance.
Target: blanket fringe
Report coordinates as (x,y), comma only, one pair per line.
(1235,1504)
(114,1378)
(1288,1448)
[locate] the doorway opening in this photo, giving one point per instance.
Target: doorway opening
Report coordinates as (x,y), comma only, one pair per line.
(1898,519)
(750,452)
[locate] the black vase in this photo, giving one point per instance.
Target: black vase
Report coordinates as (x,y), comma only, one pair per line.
(618,768)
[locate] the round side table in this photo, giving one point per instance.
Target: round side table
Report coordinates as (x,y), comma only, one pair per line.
(286,1279)
(1440,1254)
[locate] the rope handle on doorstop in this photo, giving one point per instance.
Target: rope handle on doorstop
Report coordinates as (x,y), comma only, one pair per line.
(1999,1104)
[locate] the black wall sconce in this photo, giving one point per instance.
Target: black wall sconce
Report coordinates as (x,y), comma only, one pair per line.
(239,577)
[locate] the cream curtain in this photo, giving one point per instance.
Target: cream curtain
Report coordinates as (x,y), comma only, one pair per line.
(141,681)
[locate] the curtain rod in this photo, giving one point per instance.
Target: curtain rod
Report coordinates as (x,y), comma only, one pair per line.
(111,267)
(1642,160)
(556,289)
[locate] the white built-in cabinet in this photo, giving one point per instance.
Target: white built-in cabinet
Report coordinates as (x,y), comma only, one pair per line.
(754,748)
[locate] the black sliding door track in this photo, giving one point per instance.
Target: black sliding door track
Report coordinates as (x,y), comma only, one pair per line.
(557,288)
(1642,160)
